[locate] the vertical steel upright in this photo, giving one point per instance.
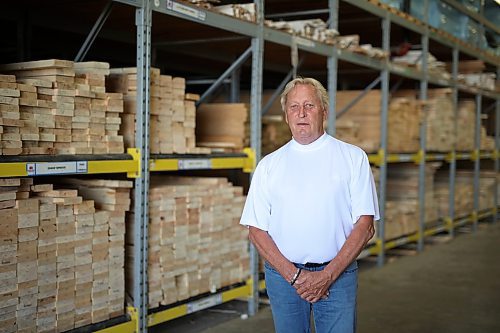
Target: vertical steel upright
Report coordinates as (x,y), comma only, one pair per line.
(384,75)
(141,208)
(332,66)
(255,134)
(453,156)
(497,149)
(477,160)
(423,129)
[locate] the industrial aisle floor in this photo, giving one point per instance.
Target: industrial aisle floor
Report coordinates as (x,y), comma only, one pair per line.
(450,287)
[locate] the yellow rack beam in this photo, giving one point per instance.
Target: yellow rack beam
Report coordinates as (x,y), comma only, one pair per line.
(204,303)
(131,326)
(37,168)
(210,163)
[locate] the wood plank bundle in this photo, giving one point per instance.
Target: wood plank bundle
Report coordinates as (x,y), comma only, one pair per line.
(112,197)
(464,189)
(57,256)
(195,242)
(315,29)
(9,292)
(99,112)
(360,125)
(10,135)
(241,11)
(62,107)
(221,125)
(55,102)
(466,121)
(439,114)
(172,118)
(275,133)
(402,205)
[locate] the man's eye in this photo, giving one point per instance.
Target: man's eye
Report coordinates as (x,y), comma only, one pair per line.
(309,106)
(294,107)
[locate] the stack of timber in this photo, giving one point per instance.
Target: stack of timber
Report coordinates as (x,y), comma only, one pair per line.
(275,133)
(487,189)
(10,123)
(439,115)
(402,205)
(113,198)
(466,121)
(62,108)
(172,122)
(221,125)
(244,11)
(315,29)
(414,59)
(463,195)
(97,112)
(360,125)
(53,277)
(471,72)
(196,244)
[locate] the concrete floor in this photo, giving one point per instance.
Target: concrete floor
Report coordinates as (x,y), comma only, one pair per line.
(450,287)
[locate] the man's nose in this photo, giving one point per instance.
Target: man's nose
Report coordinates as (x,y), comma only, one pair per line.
(302,112)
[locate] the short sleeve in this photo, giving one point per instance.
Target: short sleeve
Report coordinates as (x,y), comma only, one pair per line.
(257,209)
(363,191)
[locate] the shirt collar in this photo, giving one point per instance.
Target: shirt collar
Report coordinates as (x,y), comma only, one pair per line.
(311,146)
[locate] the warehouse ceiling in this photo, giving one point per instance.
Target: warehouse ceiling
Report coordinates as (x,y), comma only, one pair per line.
(35,30)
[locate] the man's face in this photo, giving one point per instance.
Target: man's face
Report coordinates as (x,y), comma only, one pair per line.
(304,114)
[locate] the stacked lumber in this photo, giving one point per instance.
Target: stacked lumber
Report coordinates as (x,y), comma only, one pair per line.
(111,198)
(97,113)
(402,204)
(315,29)
(8,255)
(439,115)
(466,121)
(62,108)
(464,189)
(221,125)
(275,133)
(55,258)
(244,11)
(173,112)
(487,189)
(46,111)
(360,125)
(471,72)
(413,58)
(195,242)
(10,123)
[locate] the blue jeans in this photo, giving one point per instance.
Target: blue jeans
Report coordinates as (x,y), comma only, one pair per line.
(292,314)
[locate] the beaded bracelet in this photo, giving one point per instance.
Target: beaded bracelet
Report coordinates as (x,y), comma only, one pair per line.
(296,276)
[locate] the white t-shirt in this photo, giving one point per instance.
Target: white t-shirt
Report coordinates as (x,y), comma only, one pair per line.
(308,197)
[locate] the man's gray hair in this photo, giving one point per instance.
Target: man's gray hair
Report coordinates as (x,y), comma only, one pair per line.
(320,90)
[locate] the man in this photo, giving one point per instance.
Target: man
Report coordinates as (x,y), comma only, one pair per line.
(310,212)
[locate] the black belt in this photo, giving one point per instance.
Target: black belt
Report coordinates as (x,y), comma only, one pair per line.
(315,265)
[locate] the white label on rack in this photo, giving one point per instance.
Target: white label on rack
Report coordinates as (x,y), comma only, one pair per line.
(304,42)
(82,167)
(194,164)
(188,11)
(57,168)
(204,303)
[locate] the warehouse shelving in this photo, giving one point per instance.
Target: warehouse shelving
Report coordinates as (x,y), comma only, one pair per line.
(139,165)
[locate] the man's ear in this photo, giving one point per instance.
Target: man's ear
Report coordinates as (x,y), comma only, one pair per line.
(286,117)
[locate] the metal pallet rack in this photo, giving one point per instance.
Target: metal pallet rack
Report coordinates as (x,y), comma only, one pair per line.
(139,163)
